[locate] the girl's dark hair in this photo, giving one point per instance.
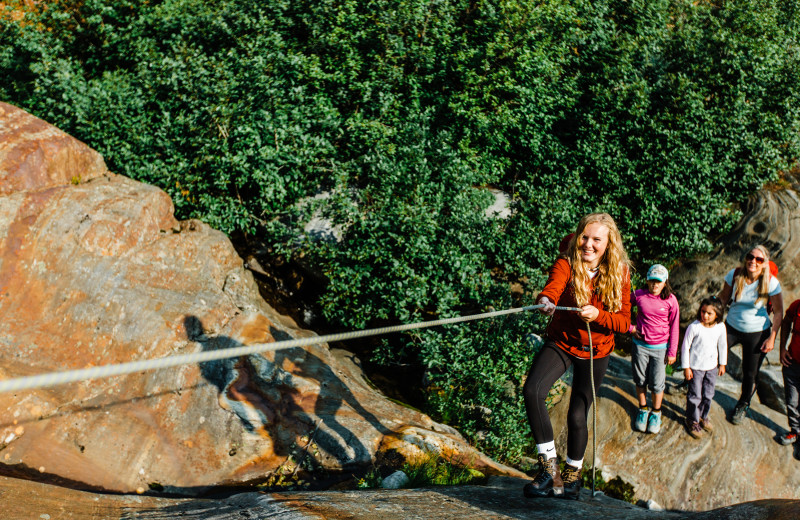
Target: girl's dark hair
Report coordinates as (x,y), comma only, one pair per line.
(666,291)
(714,302)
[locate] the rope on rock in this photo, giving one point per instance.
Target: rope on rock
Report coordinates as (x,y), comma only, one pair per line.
(70,376)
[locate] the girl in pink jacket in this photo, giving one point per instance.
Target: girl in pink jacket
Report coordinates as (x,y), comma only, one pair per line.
(655,344)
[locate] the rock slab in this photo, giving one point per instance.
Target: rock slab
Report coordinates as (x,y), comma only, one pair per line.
(731,465)
(95,270)
(500,499)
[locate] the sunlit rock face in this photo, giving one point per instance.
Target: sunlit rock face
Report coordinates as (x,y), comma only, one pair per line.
(94,270)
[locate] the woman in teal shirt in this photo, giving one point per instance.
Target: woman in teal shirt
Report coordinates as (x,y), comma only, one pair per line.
(749,289)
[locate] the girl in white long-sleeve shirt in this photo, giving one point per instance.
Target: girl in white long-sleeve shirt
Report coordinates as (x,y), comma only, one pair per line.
(704,354)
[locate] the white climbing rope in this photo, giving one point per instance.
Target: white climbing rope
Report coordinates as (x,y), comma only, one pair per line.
(594,407)
(69,376)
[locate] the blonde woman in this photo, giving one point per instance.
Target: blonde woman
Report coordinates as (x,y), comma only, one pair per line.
(749,289)
(593,274)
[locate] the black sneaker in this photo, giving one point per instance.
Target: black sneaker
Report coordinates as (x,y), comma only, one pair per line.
(739,413)
(571,476)
(542,484)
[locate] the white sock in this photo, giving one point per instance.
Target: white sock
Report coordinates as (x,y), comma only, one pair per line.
(575,463)
(548,449)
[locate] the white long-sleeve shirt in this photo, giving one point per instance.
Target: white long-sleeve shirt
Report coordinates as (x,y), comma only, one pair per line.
(704,348)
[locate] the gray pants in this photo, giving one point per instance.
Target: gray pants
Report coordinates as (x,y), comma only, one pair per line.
(701,391)
(791,388)
(649,367)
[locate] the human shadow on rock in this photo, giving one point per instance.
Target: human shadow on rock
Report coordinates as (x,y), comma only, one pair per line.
(266,396)
(727,403)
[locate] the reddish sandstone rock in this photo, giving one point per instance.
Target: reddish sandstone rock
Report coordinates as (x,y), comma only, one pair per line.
(35,155)
(94,269)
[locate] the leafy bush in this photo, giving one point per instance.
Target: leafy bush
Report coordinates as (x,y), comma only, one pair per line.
(664,113)
(435,470)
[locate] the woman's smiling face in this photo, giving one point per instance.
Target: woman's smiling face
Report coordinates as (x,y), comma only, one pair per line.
(755,262)
(593,243)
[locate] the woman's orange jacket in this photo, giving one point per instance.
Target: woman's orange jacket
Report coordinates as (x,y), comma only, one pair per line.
(568,330)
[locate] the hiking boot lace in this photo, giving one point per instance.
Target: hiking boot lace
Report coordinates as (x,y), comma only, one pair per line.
(570,474)
(548,469)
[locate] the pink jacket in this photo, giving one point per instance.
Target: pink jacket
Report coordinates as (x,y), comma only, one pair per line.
(657,320)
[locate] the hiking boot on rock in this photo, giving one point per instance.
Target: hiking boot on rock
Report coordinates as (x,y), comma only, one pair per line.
(739,413)
(788,438)
(694,429)
(706,425)
(542,483)
(571,476)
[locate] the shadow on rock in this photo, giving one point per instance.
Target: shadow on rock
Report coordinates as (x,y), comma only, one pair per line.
(294,394)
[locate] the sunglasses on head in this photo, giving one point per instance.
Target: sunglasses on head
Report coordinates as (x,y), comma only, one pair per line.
(758,259)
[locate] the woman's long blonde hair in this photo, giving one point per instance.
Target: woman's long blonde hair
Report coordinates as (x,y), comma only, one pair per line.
(613,270)
(763,279)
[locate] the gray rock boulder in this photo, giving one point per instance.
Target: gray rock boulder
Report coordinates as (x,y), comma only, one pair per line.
(501,498)
(731,465)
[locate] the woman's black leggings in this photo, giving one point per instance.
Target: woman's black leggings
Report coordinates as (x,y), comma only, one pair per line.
(547,367)
(752,357)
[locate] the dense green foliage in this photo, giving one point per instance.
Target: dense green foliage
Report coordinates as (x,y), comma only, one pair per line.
(664,113)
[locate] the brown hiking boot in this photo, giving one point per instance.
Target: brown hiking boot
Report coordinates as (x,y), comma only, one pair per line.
(694,429)
(706,425)
(542,484)
(572,482)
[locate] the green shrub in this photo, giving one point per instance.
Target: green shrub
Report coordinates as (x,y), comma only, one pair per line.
(664,113)
(435,470)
